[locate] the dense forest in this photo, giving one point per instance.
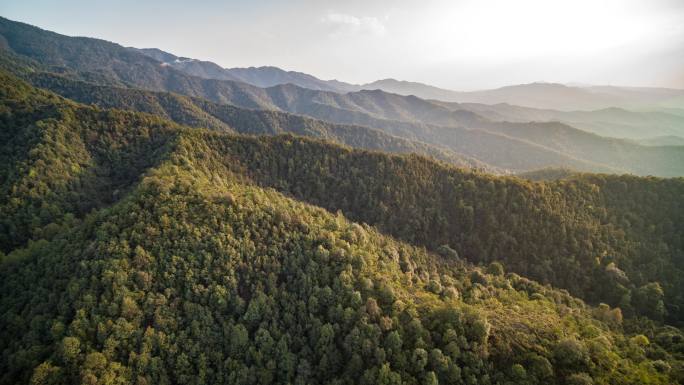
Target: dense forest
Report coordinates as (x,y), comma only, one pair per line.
(140,251)
(151,237)
(604,238)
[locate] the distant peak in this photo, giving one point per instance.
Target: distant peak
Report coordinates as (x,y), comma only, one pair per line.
(258,68)
(545,84)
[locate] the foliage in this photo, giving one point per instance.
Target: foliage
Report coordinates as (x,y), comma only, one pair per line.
(605,238)
(140,251)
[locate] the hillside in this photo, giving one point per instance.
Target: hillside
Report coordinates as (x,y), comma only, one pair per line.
(498,149)
(625,239)
(264,77)
(197,112)
(155,258)
(410,118)
(494,151)
(573,234)
(199,68)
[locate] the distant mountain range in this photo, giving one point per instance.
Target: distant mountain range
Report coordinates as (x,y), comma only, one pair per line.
(566,98)
(535,95)
(266,76)
(461,130)
(547,95)
(196,112)
(597,109)
(613,121)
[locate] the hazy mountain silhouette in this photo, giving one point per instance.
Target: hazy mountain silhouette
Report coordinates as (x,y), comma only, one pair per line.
(266,76)
(615,122)
(511,146)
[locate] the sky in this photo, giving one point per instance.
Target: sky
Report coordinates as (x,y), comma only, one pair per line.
(455,44)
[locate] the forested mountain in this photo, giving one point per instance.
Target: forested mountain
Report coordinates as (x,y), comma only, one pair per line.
(602,237)
(140,251)
(199,68)
(264,77)
(272,76)
(202,113)
(446,143)
(504,146)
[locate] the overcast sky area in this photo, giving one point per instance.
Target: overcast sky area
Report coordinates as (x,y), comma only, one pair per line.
(456,44)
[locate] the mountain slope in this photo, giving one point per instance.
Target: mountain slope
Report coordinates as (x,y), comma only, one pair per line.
(202,113)
(574,234)
(193,274)
(272,76)
(420,90)
(486,147)
(639,159)
(264,77)
(407,117)
(199,112)
(430,194)
(199,68)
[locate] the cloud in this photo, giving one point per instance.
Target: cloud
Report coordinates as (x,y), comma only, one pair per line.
(343,24)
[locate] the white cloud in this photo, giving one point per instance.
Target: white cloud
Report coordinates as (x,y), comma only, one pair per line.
(344,24)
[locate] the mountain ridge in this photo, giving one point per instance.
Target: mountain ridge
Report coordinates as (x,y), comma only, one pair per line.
(135,250)
(408,117)
(555,95)
(204,114)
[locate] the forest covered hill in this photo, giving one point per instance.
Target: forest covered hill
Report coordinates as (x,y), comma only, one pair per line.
(163,228)
(198,112)
(140,251)
(513,147)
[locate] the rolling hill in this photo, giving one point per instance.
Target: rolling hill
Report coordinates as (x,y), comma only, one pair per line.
(406,117)
(438,141)
(155,253)
(204,114)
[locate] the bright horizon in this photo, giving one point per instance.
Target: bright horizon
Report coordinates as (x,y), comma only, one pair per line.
(459,45)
